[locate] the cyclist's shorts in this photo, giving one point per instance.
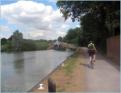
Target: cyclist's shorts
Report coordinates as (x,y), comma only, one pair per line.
(91,52)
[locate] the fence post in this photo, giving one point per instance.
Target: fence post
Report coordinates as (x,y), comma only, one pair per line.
(51,85)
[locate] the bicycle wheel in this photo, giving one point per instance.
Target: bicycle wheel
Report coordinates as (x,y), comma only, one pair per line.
(92,65)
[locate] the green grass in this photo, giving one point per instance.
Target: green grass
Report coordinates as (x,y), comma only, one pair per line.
(70,64)
(41,45)
(60,89)
(26,45)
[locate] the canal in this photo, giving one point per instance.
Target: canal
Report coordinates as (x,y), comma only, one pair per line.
(21,71)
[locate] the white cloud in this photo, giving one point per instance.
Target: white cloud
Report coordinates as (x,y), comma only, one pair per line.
(38,20)
(3,30)
(61,33)
(53,1)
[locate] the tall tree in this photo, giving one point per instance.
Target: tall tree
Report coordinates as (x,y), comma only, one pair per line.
(60,38)
(73,36)
(94,16)
(106,12)
(3,41)
(75,9)
(17,38)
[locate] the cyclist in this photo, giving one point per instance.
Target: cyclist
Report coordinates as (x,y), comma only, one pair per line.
(92,52)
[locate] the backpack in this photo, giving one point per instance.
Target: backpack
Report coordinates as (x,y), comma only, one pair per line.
(91,46)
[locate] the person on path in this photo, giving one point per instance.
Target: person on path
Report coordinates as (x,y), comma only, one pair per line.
(91,51)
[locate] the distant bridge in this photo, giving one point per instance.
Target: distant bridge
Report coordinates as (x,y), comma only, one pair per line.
(62,45)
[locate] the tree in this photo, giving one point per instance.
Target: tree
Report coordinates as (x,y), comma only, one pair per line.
(60,38)
(96,18)
(17,38)
(3,41)
(106,12)
(75,9)
(73,36)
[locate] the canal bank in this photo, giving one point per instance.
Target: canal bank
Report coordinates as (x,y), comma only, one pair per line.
(45,79)
(68,77)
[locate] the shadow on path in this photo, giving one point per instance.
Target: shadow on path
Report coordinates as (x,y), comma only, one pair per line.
(86,65)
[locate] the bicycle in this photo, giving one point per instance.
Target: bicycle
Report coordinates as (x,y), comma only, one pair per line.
(92,58)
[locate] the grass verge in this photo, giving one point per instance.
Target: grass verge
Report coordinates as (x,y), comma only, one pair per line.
(70,64)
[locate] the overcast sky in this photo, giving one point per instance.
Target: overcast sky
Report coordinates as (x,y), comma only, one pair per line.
(36,19)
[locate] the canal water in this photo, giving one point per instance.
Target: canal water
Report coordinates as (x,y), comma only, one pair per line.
(22,71)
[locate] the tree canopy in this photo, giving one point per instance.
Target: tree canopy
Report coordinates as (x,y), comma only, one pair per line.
(60,38)
(16,42)
(107,13)
(76,9)
(73,36)
(98,19)
(17,38)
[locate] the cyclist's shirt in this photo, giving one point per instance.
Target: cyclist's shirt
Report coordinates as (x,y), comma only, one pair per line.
(91,46)
(91,49)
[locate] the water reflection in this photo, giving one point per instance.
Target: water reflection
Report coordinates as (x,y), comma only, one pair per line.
(19,62)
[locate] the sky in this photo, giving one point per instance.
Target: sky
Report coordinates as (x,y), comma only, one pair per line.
(36,19)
